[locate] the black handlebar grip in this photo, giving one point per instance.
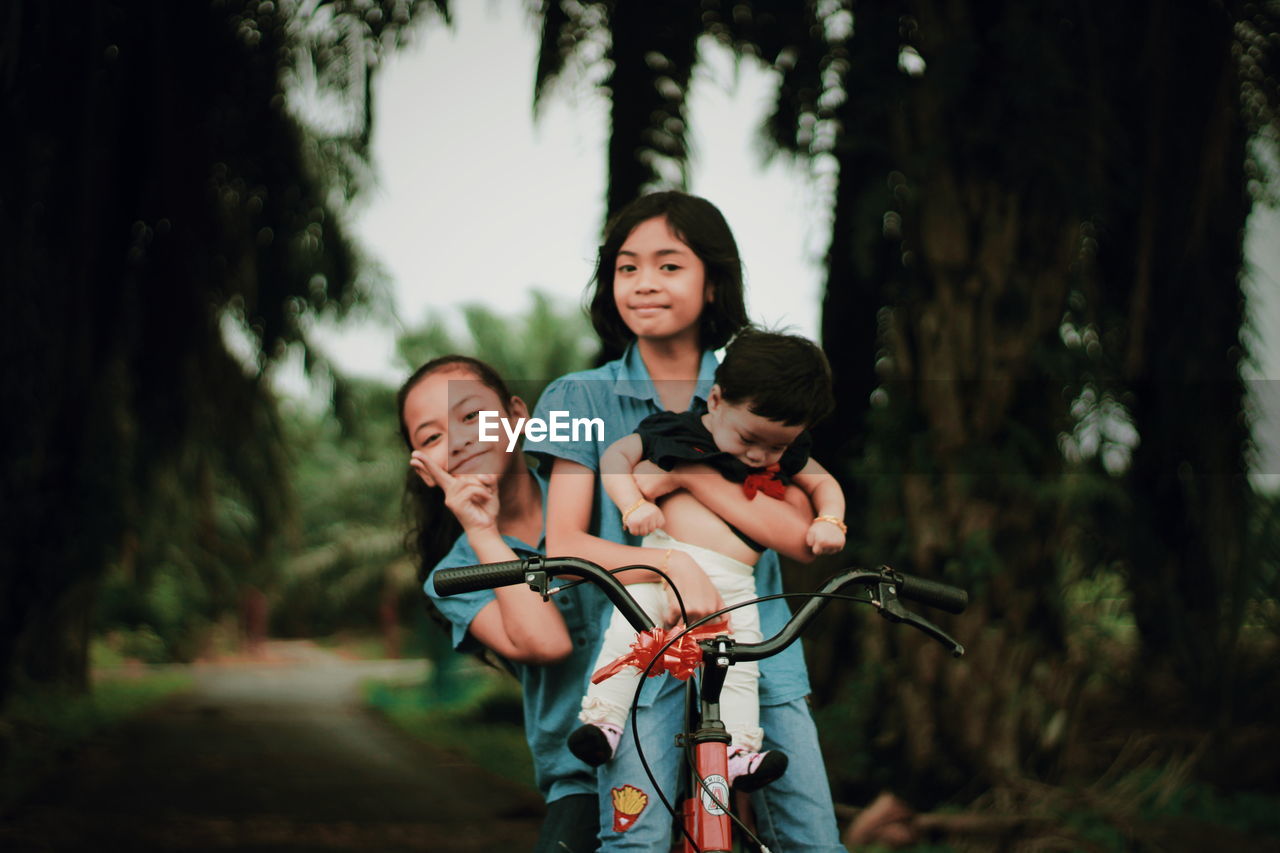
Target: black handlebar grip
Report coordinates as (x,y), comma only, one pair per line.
(944,596)
(486,576)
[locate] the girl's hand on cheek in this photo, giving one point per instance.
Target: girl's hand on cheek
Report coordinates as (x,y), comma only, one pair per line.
(472,498)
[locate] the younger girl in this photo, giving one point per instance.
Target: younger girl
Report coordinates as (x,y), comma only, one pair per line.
(497,503)
(669,289)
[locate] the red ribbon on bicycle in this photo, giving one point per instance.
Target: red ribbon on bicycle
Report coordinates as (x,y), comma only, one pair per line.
(765,480)
(681,659)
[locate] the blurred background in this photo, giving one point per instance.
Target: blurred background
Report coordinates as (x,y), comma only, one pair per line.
(1038,243)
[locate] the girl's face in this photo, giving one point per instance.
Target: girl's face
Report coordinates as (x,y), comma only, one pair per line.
(442,416)
(659,283)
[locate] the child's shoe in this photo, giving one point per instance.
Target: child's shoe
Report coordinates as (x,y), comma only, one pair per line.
(595,743)
(751,771)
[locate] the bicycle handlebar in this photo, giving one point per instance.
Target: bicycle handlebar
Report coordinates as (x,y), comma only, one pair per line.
(483,576)
(533,569)
(943,596)
(888,587)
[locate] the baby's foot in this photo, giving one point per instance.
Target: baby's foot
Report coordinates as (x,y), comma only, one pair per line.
(751,771)
(595,743)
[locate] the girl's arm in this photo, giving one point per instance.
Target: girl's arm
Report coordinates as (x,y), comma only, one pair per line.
(639,516)
(569,500)
(780,525)
(517,624)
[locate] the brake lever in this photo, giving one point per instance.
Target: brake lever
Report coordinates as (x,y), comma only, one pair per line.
(538,580)
(886,601)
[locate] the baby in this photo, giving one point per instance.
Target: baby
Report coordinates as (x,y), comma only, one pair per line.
(769,390)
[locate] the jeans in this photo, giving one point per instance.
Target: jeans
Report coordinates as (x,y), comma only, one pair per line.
(793,814)
(569,826)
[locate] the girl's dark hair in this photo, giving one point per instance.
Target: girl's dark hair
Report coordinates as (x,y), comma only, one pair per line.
(701,226)
(432,527)
(785,378)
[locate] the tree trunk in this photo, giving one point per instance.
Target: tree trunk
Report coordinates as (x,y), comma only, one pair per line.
(985,291)
(988,229)
(654,49)
(54,648)
(861,264)
(68,453)
(1169,267)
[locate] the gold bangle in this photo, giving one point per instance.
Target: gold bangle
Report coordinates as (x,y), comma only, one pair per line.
(666,566)
(635,506)
(833,520)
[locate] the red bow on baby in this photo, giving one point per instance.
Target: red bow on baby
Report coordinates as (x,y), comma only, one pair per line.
(681,660)
(765,480)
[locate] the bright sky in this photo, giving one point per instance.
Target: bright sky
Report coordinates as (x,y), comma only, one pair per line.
(478,203)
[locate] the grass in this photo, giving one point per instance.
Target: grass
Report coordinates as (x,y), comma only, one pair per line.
(38,725)
(478,714)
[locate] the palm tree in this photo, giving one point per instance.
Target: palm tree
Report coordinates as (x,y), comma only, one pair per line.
(1000,172)
(996,177)
(160,192)
(650,50)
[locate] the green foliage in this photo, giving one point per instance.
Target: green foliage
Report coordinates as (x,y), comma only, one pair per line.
(485,723)
(1244,811)
(208,223)
(330,552)
(528,350)
(846,733)
(346,554)
(1095,830)
(1150,807)
(1263,547)
(41,724)
(187,564)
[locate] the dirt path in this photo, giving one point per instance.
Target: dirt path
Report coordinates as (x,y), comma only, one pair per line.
(274,756)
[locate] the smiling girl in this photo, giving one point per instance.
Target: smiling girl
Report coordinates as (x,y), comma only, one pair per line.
(475,502)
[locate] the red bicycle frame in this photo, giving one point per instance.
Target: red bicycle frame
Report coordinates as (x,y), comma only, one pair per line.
(705,815)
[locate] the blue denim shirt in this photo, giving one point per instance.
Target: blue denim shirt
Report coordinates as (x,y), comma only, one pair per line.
(621,394)
(552,694)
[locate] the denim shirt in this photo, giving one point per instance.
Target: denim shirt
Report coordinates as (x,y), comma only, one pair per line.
(551,694)
(621,394)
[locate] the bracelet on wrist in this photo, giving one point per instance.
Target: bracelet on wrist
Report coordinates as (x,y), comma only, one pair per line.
(666,566)
(831,519)
(635,506)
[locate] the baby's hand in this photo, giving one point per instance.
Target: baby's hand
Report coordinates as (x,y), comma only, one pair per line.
(653,481)
(644,519)
(824,538)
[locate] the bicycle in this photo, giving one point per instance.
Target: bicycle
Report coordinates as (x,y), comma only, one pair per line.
(705,818)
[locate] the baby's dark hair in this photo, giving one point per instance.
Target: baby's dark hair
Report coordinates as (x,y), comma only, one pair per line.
(785,378)
(701,226)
